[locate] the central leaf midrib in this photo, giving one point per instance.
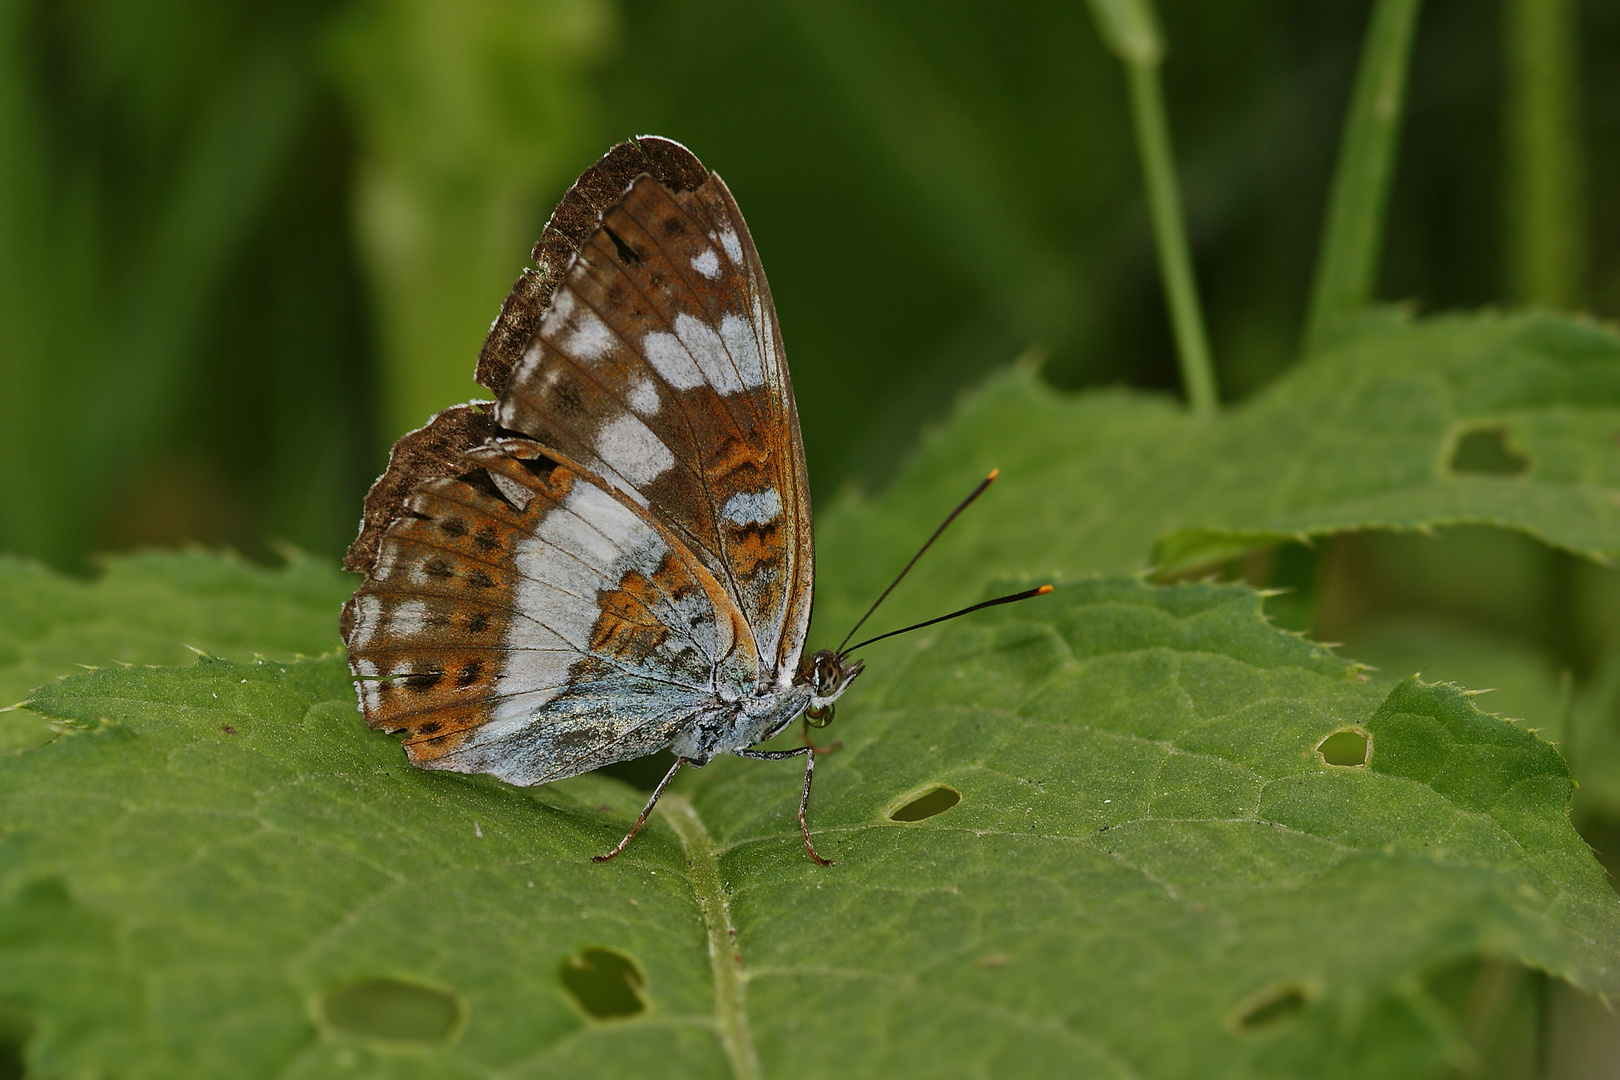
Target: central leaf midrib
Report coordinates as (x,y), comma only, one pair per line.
(703,873)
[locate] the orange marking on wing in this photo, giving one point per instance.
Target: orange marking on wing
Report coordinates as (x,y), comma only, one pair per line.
(422,689)
(754,546)
(430,747)
(733,464)
(627,627)
(673,577)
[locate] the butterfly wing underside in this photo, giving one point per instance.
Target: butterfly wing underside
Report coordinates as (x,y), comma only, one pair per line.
(569,575)
(526,620)
(658,363)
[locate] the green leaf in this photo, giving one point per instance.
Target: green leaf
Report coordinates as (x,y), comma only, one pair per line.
(155,608)
(1090,828)
(1524,683)
(1365,435)
(1148,872)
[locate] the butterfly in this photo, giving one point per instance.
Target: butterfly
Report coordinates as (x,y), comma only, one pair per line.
(614,555)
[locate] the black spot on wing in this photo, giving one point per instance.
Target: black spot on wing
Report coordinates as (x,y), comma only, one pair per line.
(627,254)
(480,481)
(540,466)
(423,681)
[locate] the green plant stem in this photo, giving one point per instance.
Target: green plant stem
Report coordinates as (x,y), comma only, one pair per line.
(1545,241)
(1130,29)
(1347,267)
(1170,234)
(1495,984)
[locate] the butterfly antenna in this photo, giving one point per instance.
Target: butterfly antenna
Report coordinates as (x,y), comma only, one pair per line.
(963,505)
(1010,599)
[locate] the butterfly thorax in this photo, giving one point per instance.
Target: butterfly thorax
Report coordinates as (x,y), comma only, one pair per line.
(737,725)
(732,726)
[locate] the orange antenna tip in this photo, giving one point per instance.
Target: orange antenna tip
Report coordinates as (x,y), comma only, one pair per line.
(993,474)
(1043,590)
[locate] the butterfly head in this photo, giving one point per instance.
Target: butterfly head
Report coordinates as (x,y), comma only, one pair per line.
(829,675)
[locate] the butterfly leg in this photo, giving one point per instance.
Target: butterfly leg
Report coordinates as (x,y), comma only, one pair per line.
(804,733)
(804,799)
(645,810)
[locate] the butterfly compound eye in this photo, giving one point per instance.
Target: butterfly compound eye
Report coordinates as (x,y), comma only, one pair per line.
(820,717)
(827,672)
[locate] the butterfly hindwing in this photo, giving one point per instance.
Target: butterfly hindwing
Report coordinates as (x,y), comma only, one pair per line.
(523,619)
(429,452)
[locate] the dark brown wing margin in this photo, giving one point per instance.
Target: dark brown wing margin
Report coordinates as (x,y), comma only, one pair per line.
(428,453)
(571,224)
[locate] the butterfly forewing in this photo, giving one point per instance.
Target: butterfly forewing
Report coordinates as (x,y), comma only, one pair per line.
(577,216)
(659,365)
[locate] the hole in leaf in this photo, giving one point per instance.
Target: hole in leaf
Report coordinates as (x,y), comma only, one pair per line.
(1487,452)
(1350,748)
(930,803)
(1271,1009)
(16,1028)
(606,984)
(392,1010)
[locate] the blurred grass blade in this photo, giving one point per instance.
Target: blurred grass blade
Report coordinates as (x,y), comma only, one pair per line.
(99,340)
(471,118)
(239,149)
(1170,235)
(1130,28)
(1347,267)
(1546,250)
(24,303)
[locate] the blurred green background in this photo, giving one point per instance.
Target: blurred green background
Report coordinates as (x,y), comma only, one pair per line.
(244,246)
